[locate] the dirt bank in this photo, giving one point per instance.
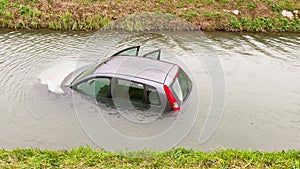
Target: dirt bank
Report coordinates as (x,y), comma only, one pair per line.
(228,15)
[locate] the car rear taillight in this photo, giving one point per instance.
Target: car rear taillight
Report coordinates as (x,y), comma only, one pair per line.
(172,100)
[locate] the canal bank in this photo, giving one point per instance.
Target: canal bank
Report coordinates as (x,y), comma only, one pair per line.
(85,157)
(208,15)
(261,110)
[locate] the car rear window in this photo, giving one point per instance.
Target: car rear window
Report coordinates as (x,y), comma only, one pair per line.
(181,85)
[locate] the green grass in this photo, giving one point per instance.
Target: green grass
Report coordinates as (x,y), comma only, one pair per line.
(254,15)
(86,157)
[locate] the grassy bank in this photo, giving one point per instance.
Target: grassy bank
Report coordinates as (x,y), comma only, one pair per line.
(85,157)
(253,15)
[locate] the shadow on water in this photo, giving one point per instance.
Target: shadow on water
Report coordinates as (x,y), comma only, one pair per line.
(262,89)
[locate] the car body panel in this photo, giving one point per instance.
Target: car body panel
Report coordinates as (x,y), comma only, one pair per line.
(137,67)
(114,101)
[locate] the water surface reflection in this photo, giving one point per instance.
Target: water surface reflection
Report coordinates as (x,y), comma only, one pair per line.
(262,108)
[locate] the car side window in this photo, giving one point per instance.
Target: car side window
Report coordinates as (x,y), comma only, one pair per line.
(125,89)
(95,87)
(136,92)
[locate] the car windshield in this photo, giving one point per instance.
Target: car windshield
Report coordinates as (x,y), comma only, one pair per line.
(86,73)
(181,85)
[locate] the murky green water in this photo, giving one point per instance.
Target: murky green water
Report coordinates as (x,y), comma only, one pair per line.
(262,90)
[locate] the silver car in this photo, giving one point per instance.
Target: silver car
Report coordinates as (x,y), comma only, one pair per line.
(126,80)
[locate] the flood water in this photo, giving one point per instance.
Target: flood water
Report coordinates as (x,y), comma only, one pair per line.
(259,107)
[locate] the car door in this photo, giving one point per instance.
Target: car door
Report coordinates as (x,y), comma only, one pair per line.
(98,88)
(131,51)
(132,95)
(153,55)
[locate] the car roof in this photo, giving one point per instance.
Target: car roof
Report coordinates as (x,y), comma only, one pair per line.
(136,67)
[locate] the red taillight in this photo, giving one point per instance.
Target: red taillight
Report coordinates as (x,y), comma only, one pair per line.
(172,100)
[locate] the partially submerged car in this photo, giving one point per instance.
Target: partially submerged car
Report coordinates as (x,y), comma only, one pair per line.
(126,78)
